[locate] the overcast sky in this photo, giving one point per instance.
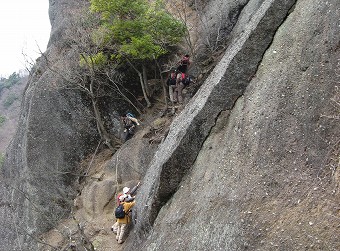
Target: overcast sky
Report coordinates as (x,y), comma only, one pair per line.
(24,27)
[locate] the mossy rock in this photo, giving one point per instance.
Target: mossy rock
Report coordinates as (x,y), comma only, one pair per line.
(159,122)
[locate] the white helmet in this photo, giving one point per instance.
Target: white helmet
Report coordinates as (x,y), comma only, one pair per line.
(126,190)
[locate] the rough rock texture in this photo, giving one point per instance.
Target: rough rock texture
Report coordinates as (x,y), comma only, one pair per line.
(266,176)
(56,130)
(215,20)
(94,206)
(251,163)
(225,84)
(209,25)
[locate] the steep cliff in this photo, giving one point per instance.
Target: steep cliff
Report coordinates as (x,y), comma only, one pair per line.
(56,130)
(250,163)
(266,175)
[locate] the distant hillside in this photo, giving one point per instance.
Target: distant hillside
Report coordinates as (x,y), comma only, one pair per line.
(11,91)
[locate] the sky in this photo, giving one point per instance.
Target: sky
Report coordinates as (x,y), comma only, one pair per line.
(24,28)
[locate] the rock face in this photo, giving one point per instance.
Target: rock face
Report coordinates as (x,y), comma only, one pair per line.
(251,163)
(56,130)
(223,87)
(247,157)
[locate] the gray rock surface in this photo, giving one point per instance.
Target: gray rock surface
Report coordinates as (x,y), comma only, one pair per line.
(251,163)
(189,130)
(257,181)
(56,130)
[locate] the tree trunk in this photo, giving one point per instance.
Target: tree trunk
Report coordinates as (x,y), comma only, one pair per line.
(164,85)
(122,94)
(143,89)
(148,104)
(100,125)
(145,81)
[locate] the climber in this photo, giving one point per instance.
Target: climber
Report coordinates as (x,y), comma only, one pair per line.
(171,82)
(177,96)
(182,82)
(130,193)
(124,222)
(129,122)
(130,196)
(183,64)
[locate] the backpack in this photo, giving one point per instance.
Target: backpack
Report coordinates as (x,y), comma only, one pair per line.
(129,114)
(119,212)
(172,79)
(186,81)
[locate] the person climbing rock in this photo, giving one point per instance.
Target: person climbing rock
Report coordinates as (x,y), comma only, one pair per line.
(184,64)
(130,195)
(125,221)
(129,123)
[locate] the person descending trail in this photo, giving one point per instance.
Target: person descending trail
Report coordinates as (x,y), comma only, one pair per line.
(182,82)
(175,92)
(183,64)
(171,82)
(178,97)
(129,123)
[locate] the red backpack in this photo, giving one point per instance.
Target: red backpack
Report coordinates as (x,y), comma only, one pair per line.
(118,201)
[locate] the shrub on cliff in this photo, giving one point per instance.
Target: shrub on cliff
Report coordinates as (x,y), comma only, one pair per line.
(137,32)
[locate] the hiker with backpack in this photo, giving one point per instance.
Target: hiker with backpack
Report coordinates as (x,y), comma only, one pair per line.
(183,64)
(129,122)
(183,80)
(122,214)
(179,87)
(130,195)
(171,82)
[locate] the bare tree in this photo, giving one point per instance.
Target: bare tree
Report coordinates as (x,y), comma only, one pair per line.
(90,70)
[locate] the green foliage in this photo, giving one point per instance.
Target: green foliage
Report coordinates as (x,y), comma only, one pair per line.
(2,120)
(164,28)
(10,100)
(13,79)
(97,60)
(142,48)
(140,30)
(118,9)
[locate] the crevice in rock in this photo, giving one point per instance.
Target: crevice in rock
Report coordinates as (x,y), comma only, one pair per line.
(191,128)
